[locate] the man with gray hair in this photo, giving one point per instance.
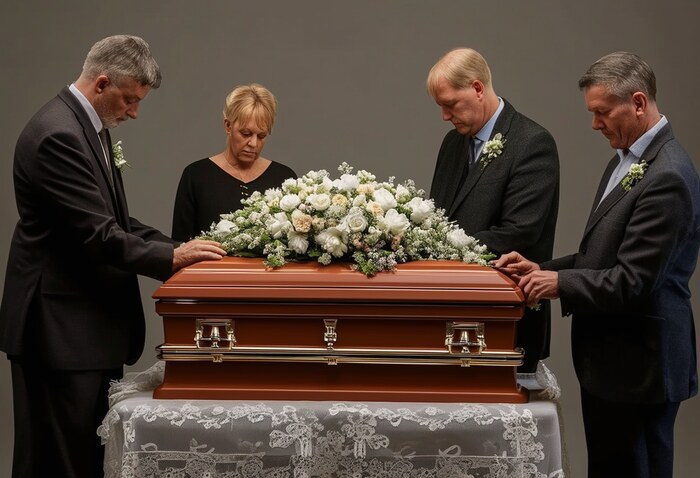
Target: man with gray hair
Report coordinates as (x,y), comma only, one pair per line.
(633,334)
(497,176)
(71,313)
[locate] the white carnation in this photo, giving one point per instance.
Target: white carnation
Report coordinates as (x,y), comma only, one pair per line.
(395,222)
(385,199)
(402,193)
(289,183)
(273,193)
(421,209)
(325,185)
(346,182)
(460,239)
(278,225)
(360,200)
(298,242)
(332,240)
(224,226)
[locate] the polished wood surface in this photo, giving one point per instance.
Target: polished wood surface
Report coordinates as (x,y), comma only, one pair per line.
(400,312)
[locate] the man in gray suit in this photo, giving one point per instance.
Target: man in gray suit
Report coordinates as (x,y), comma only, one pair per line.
(71,313)
(633,335)
(497,176)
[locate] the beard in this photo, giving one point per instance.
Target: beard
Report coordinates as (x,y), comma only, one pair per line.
(109,121)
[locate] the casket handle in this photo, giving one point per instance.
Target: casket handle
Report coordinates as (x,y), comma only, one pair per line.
(214,339)
(470,334)
(330,336)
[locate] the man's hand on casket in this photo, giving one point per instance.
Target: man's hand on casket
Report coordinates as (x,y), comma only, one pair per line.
(196,250)
(536,284)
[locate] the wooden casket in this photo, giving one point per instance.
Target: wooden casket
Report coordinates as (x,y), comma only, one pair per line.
(438,331)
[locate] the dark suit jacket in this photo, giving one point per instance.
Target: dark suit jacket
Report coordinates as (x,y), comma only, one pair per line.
(510,205)
(633,336)
(71,296)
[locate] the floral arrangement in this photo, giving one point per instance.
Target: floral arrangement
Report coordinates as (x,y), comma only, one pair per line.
(375,225)
(634,175)
(492,149)
(118,154)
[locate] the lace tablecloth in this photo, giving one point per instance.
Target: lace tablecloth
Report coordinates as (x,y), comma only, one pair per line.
(226,439)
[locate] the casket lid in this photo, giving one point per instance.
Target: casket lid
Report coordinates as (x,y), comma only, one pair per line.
(236,278)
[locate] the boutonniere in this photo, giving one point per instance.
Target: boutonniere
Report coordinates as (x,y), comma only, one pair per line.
(634,175)
(492,149)
(118,153)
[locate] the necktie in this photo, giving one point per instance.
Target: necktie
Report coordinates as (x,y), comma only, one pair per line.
(473,156)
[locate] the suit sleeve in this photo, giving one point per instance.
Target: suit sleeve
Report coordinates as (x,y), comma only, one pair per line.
(651,242)
(531,193)
(65,180)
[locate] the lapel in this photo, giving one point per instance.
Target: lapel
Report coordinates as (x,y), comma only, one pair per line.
(502,126)
(117,192)
(110,194)
(618,192)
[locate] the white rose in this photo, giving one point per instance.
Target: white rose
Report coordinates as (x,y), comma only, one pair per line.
(356,222)
(346,182)
(385,199)
(332,241)
(320,202)
(298,242)
(224,226)
(289,202)
(278,225)
(458,238)
(395,222)
(422,209)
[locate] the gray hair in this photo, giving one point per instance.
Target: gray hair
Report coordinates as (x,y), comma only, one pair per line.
(623,73)
(122,57)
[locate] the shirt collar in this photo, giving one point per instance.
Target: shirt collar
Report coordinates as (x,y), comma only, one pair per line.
(87,106)
(638,147)
(485,132)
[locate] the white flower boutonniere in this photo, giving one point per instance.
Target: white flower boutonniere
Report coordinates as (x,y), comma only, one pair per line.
(634,175)
(492,149)
(119,162)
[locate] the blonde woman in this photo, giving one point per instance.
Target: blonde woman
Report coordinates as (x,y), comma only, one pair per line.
(216,185)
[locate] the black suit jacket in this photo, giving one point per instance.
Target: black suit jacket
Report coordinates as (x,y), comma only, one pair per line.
(71,296)
(511,204)
(633,335)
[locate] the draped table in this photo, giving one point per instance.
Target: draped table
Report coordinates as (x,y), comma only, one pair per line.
(151,438)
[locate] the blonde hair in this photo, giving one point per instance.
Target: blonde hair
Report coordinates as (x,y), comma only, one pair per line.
(460,67)
(251,101)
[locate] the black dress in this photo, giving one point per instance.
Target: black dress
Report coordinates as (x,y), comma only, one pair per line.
(207,191)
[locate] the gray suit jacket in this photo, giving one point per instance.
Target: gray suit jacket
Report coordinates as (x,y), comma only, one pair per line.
(71,297)
(633,335)
(511,204)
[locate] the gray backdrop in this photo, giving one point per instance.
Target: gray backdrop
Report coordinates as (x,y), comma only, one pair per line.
(349,77)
